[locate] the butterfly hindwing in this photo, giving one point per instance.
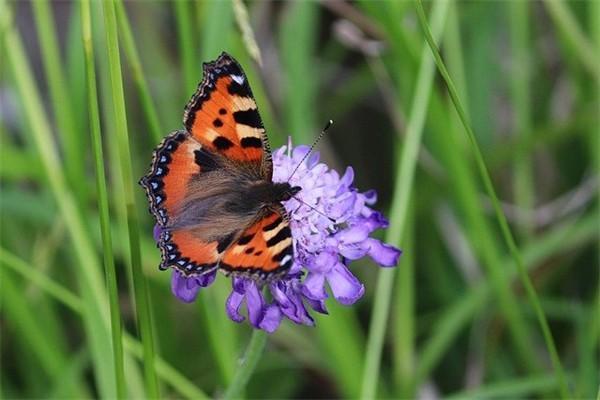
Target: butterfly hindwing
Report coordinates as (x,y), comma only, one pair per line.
(264,248)
(222,115)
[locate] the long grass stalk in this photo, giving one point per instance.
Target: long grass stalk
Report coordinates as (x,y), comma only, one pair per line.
(506,233)
(254,351)
(95,302)
(139,77)
(523,387)
(61,101)
(405,319)
(569,27)
(521,107)
(105,225)
(142,297)
(399,212)
(185,38)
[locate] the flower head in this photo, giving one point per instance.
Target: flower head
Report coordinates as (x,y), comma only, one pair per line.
(331,224)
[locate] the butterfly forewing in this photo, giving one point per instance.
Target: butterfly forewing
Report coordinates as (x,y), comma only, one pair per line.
(223,116)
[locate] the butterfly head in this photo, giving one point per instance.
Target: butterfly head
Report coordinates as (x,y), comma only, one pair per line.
(284,191)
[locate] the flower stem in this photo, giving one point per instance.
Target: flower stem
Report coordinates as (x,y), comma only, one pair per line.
(506,233)
(254,351)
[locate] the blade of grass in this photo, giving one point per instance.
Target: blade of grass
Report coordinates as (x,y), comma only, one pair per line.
(41,280)
(243,22)
(399,211)
(107,246)
(185,37)
(404,324)
(298,34)
(60,99)
(569,27)
(142,298)
(96,315)
(517,388)
(520,81)
(138,73)
(524,277)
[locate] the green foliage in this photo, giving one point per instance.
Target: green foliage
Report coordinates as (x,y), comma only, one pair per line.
(497,291)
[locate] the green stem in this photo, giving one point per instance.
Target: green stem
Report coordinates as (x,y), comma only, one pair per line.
(507,235)
(398,214)
(142,297)
(61,101)
(138,73)
(569,26)
(105,226)
(255,349)
(520,81)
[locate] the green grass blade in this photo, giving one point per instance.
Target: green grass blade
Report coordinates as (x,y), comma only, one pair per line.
(61,101)
(41,280)
(569,27)
(399,211)
(531,293)
(185,37)
(142,297)
(520,82)
(298,41)
(516,389)
(138,73)
(109,263)
(405,319)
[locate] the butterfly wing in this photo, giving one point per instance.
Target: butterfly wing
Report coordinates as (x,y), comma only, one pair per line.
(178,162)
(264,249)
(222,115)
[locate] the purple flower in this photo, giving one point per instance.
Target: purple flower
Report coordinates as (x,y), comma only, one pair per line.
(331,224)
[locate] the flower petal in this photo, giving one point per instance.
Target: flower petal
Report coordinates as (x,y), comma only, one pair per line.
(354,234)
(185,289)
(156,232)
(271,319)
(254,303)
(345,287)
(234,301)
(382,253)
(313,286)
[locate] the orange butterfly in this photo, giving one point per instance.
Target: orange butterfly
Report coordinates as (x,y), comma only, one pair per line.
(210,186)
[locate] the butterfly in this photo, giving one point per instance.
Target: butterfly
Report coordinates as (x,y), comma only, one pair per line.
(210,185)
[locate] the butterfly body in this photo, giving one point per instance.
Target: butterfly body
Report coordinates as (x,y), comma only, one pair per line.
(210,186)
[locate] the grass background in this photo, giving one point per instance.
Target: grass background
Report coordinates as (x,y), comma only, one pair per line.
(88,89)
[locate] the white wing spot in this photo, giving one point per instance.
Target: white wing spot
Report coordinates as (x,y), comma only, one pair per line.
(238,78)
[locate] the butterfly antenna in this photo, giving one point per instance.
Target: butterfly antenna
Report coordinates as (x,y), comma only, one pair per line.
(312,147)
(315,210)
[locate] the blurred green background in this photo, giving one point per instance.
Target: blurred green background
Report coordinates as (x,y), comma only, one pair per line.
(452,320)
